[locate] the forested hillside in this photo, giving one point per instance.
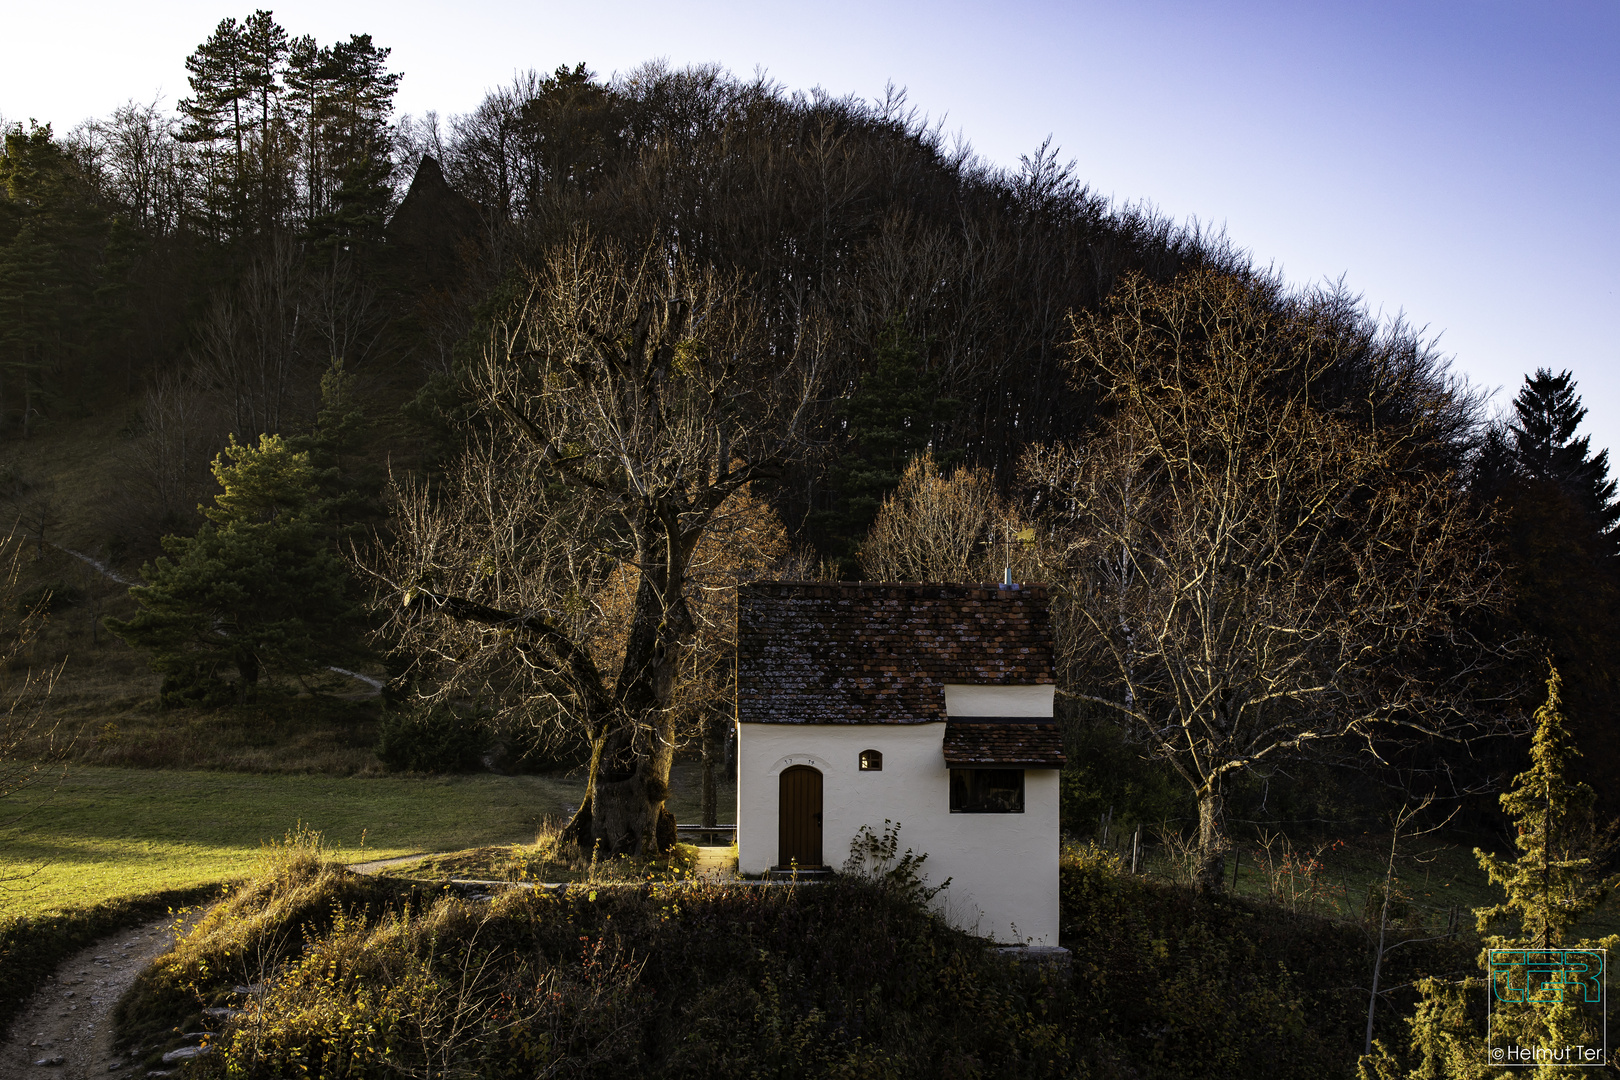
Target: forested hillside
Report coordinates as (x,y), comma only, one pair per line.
(495,408)
(339,441)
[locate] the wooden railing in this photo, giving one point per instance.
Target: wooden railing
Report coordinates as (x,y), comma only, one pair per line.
(708,832)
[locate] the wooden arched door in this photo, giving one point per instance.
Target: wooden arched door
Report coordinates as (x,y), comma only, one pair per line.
(799,817)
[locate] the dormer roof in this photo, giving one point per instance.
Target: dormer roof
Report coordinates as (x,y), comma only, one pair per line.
(876,653)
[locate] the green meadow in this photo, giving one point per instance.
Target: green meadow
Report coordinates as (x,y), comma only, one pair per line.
(105,833)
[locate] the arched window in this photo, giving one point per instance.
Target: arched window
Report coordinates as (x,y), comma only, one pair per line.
(871,761)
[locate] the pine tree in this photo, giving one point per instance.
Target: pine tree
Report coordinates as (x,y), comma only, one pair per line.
(264,54)
(258,589)
(362,97)
(306,85)
(343,96)
(349,483)
(571,127)
(214,121)
(234,113)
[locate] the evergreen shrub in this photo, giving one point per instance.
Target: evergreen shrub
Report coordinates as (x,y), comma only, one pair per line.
(195,686)
(48,597)
(431,739)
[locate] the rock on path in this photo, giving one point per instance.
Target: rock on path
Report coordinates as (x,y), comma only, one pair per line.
(67,1029)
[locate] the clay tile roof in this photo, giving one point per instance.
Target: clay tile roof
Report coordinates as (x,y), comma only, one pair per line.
(865,653)
(1003,742)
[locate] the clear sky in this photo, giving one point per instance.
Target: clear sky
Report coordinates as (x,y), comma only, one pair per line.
(1455,162)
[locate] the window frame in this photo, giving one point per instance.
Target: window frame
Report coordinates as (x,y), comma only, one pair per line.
(964,800)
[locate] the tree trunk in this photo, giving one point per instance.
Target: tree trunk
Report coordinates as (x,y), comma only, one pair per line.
(714,749)
(247,667)
(625,794)
(632,732)
(631,758)
(1212,841)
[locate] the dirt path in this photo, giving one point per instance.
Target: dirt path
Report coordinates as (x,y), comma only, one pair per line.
(383,864)
(69,1023)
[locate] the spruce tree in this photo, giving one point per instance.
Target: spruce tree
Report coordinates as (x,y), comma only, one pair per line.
(1547,413)
(889,418)
(258,589)
(53,235)
(1555,534)
(1553,883)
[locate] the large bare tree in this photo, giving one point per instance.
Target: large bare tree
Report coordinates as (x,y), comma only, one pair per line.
(1251,566)
(632,398)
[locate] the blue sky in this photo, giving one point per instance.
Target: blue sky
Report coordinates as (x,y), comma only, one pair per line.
(1455,162)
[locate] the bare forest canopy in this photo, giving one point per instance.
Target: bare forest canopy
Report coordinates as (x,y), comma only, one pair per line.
(554,374)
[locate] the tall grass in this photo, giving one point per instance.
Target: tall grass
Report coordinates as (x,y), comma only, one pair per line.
(322,973)
(330,975)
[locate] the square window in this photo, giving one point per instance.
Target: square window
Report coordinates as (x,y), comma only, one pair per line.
(871,761)
(987,791)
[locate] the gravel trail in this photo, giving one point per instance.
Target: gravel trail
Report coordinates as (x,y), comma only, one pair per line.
(67,1030)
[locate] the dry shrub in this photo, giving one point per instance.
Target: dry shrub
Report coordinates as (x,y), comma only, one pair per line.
(551,859)
(371,978)
(243,939)
(1091,857)
(1296,880)
(1180,855)
(162,471)
(33,745)
(425,994)
(952,528)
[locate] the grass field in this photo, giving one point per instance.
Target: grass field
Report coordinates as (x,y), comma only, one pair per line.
(1437,879)
(107,833)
